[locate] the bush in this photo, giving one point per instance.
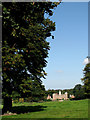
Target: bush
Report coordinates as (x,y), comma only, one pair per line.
(45,100)
(71,98)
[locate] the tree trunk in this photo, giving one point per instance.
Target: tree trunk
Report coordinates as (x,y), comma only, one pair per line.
(7,104)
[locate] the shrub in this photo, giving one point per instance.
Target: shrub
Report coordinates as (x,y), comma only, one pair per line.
(47,100)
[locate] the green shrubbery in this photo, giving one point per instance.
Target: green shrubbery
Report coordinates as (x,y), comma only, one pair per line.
(45,100)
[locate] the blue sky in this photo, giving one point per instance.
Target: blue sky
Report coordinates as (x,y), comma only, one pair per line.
(70,46)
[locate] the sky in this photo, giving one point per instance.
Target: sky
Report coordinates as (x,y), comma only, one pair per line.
(69,48)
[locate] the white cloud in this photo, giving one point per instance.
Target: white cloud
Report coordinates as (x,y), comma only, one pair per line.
(85,61)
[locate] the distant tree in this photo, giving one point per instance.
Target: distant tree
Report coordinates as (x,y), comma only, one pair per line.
(79,92)
(24,47)
(86,80)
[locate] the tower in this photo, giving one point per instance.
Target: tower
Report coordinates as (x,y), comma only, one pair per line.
(66,95)
(59,92)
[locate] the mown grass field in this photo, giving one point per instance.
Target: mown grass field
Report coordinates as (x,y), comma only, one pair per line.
(52,109)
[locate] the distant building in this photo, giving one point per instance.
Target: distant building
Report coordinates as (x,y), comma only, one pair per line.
(49,97)
(59,96)
(72,96)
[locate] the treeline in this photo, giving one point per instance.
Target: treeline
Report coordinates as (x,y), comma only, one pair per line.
(78,91)
(39,96)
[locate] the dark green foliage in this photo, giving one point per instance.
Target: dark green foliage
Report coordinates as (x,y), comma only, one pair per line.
(86,80)
(24,47)
(15,95)
(45,100)
(79,92)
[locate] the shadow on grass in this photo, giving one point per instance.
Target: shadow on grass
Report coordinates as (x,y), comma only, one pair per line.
(26,109)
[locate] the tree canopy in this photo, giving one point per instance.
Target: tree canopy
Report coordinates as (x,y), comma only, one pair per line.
(24,46)
(86,80)
(79,91)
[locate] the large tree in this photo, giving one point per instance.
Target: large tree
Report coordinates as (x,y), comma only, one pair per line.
(24,47)
(86,80)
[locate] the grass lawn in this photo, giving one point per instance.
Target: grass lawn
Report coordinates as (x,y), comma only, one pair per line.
(52,109)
